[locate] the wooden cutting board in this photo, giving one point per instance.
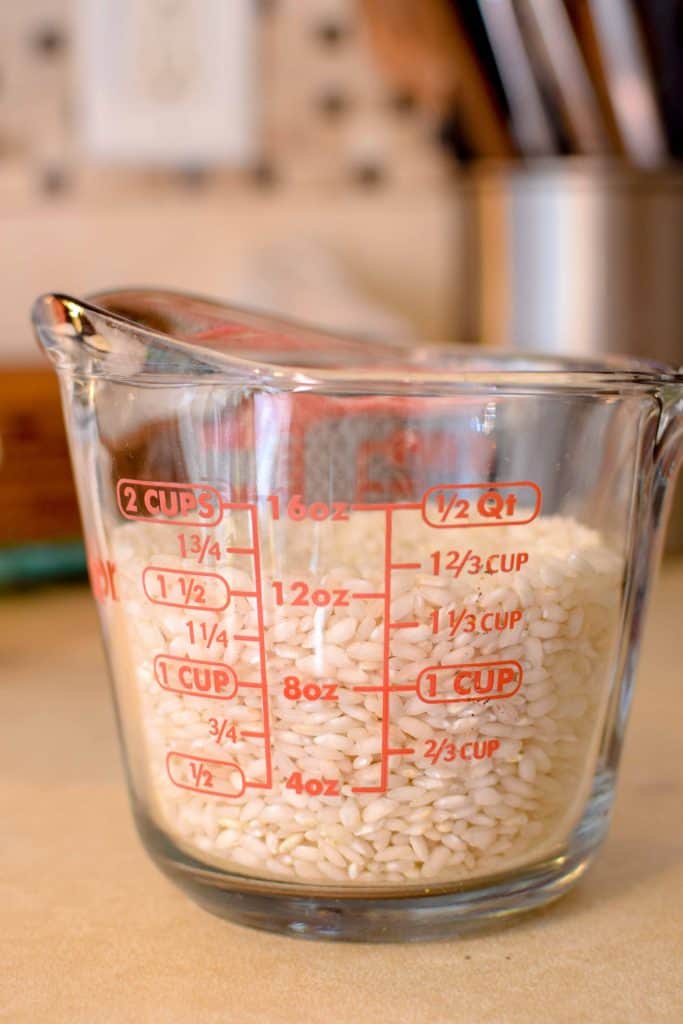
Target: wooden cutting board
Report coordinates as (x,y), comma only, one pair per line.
(37,496)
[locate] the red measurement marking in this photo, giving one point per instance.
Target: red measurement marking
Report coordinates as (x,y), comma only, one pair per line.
(403,625)
(297,510)
(486,622)
(407,565)
(240,551)
(204,774)
(385,506)
(313,786)
(402,750)
(102,576)
(262,647)
(379,597)
(221,729)
(237,506)
(210,679)
(454,621)
(449,506)
(158,501)
(246,639)
(204,548)
(379,689)
(244,593)
(385,687)
(447,751)
(206,633)
(485,680)
(295,689)
(460,562)
(388,532)
(253,734)
(455,562)
(299,595)
(161,585)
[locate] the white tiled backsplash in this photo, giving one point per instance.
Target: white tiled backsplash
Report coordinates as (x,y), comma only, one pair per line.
(322,113)
(339,159)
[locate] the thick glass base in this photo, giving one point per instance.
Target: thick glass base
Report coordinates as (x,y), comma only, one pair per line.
(408,919)
(437,911)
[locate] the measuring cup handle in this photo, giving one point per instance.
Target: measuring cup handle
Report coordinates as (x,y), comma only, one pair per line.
(669,445)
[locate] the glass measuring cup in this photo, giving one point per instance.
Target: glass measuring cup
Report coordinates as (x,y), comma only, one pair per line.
(371,614)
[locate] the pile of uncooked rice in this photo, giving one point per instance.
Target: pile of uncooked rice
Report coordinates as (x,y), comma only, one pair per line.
(441,817)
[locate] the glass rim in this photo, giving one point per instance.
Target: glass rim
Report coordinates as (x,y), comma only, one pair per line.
(368,365)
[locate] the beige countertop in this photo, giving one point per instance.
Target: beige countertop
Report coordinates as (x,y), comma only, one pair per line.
(90,931)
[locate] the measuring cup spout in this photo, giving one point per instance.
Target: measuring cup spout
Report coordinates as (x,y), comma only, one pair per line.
(107,339)
(164,333)
(69,337)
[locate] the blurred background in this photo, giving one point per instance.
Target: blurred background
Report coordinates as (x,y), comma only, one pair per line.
(495,172)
